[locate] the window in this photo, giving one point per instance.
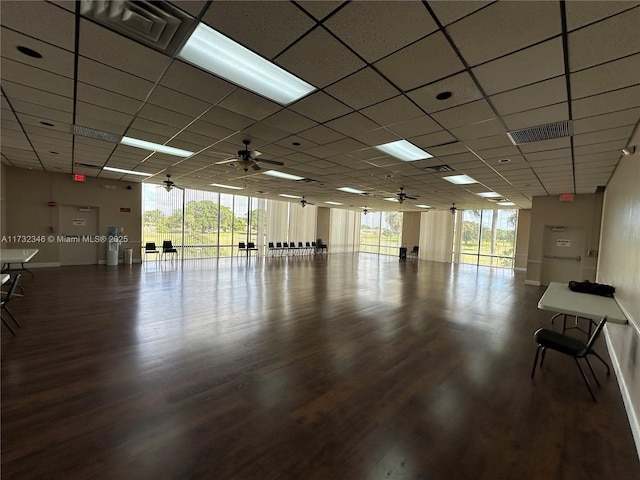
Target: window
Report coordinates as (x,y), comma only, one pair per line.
(380,232)
(486,237)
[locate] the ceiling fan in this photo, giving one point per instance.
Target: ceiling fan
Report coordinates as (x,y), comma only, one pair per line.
(453,209)
(365,210)
(304,203)
(248,158)
(403,196)
(168,184)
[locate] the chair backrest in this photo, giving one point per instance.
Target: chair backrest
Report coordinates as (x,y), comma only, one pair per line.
(319,242)
(12,289)
(415,249)
(150,246)
(313,244)
(307,244)
(596,333)
(241,245)
(167,244)
(279,244)
(251,245)
(271,245)
(300,245)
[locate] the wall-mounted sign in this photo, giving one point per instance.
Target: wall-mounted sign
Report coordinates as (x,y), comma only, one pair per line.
(563,242)
(78,177)
(566,197)
(79,222)
(125,210)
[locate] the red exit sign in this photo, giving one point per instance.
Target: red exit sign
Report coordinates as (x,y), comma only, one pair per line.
(78,177)
(566,197)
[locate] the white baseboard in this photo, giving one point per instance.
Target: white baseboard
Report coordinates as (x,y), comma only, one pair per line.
(520,269)
(42,265)
(626,397)
(535,283)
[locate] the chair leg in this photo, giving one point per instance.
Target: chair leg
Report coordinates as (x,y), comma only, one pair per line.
(592,372)
(8,326)
(586,380)
(535,361)
(544,350)
(12,316)
(603,361)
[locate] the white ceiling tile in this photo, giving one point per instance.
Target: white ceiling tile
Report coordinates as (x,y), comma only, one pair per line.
(578,15)
(607,102)
(391,111)
(537,116)
(41,20)
(538,95)
(461,86)
(201,85)
(289,121)
(249,104)
(227,118)
(320,107)
(93,95)
(607,120)
(515,70)
(594,44)
(319,9)
(350,89)
(432,139)
(504,27)
(319,48)
(600,136)
(464,114)
(42,80)
(603,78)
(423,62)
(259,25)
(391,25)
(54,60)
(352,124)
(485,128)
(108,78)
(321,135)
(104,46)
(415,127)
(449,12)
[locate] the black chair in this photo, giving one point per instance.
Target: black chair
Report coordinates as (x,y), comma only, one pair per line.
(570,346)
(321,246)
(279,247)
(167,247)
(150,248)
(6,297)
(271,248)
(414,252)
(251,247)
(242,247)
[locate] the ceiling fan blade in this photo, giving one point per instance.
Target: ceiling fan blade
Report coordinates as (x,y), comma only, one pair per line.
(272,162)
(255,166)
(228,160)
(411,198)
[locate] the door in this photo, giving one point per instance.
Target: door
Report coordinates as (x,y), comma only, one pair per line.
(562,254)
(78,239)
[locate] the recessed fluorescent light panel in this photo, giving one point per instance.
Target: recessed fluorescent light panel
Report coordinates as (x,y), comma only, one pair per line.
(288,196)
(460,179)
(128,172)
(225,186)
(279,174)
(155,147)
(333,203)
(217,54)
(506,204)
(424,206)
(391,199)
(489,195)
(350,190)
(404,150)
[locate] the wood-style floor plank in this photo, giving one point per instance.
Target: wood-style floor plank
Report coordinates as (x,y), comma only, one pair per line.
(327,367)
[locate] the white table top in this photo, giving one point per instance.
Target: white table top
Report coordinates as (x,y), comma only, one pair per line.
(559,298)
(5,278)
(17,255)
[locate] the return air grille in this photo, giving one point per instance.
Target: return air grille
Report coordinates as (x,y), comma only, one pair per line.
(542,132)
(438,169)
(157,24)
(97,134)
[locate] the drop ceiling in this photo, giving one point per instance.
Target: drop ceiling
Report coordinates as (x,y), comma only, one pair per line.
(377,67)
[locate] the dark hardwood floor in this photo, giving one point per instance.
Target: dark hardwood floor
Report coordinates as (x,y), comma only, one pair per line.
(333,367)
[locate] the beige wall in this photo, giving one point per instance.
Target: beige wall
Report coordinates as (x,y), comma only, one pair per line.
(3,203)
(27,212)
(619,265)
(583,213)
(323,222)
(411,229)
(522,240)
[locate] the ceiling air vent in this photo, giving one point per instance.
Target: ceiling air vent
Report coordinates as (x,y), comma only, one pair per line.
(91,133)
(439,169)
(542,132)
(157,24)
